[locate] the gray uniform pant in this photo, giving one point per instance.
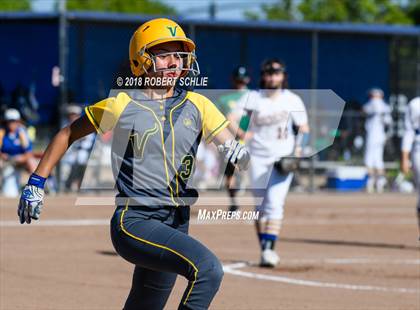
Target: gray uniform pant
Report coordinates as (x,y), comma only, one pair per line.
(157,243)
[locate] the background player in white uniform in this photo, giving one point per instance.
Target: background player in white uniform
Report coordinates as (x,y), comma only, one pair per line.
(411,146)
(273,110)
(378,115)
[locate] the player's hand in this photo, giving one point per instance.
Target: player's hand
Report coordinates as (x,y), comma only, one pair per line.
(235,153)
(30,203)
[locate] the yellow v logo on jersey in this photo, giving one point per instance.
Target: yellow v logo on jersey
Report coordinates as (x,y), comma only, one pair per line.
(172,30)
(187,122)
(139,144)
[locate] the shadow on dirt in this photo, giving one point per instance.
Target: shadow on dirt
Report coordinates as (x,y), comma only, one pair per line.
(108,253)
(353,243)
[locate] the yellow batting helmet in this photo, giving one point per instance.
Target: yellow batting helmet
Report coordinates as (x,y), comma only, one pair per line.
(152,33)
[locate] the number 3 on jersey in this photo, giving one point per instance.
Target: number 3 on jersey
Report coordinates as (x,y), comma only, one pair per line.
(187,163)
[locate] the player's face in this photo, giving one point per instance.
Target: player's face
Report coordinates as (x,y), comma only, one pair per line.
(274,77)
(166,58)
(241,83)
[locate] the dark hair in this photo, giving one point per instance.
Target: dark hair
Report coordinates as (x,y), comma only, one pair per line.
(267,65)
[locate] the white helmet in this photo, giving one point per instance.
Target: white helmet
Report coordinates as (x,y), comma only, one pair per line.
(73,109)
(12,115)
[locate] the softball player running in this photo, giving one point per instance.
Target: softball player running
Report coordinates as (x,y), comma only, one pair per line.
(273,109)
(411,145)
(156,133)
(378,115)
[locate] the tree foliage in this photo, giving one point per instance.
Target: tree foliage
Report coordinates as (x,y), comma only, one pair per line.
(123,6)
(14,5)
(283,10)
(352,11)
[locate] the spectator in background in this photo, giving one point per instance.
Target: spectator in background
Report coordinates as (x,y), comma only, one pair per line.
(378,116)
(15,145)
(15,153)
(24,100)
(77,156)
(227,104)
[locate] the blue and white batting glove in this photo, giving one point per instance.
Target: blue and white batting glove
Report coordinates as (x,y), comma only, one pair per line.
(235,153)
(30,204)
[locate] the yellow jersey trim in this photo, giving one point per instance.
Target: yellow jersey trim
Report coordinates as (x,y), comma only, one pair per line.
(113,106)
(211,118)
(92,120)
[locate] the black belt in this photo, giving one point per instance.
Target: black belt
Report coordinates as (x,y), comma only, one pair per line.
(417,131)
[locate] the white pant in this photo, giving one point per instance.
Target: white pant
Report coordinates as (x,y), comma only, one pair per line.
(266,182)
(374,156)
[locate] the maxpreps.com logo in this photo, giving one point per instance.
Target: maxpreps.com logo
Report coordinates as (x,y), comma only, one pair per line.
(172,30)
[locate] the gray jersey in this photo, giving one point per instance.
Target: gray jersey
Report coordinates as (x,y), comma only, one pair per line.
(155,143)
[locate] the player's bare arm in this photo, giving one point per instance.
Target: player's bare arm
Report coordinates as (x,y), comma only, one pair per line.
(405,162)
(233,125)
(31,201)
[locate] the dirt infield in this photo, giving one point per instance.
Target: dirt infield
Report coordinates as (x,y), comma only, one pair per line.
(351,251)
